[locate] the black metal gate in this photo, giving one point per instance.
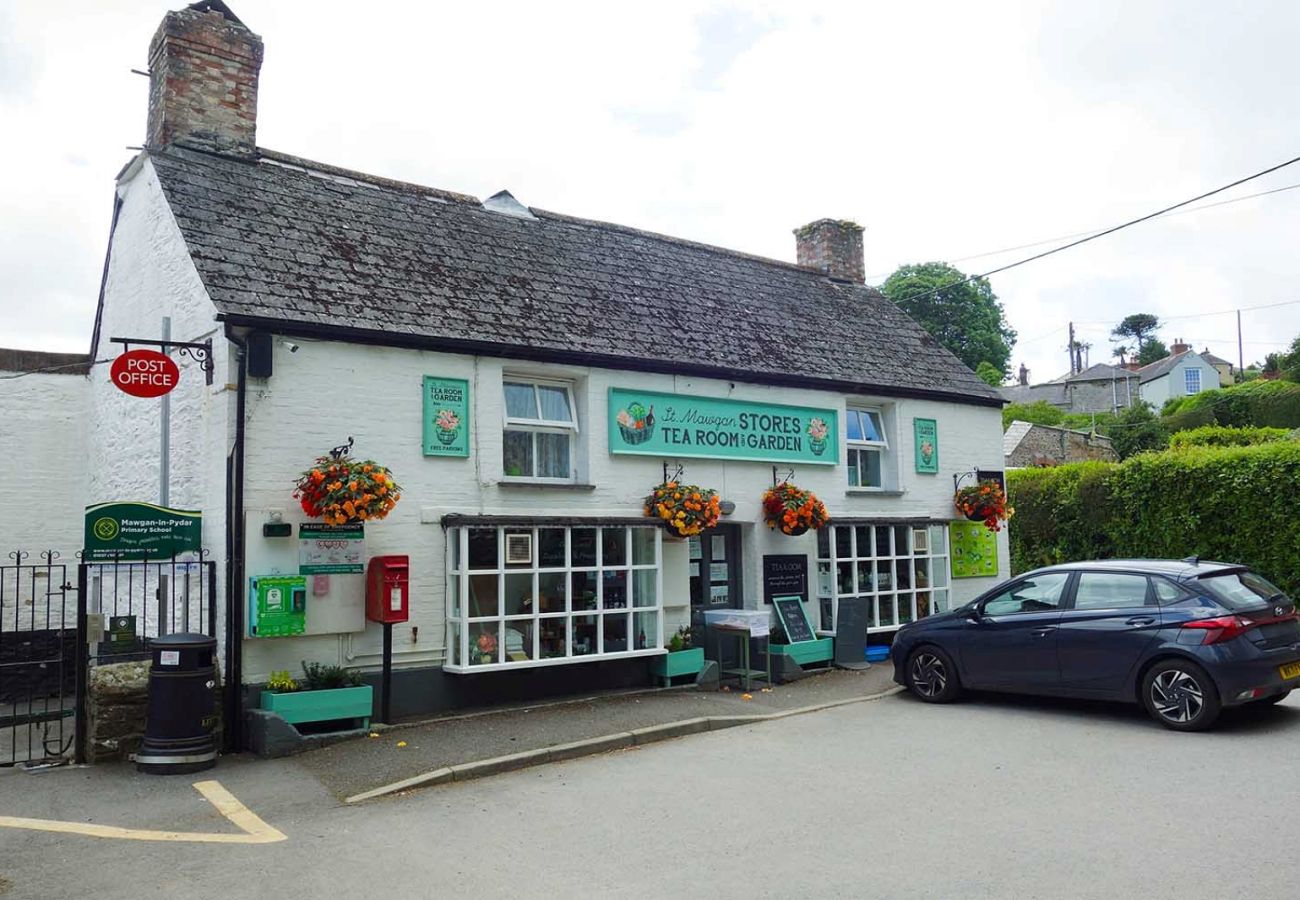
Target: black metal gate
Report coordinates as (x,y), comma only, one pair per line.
(38,659)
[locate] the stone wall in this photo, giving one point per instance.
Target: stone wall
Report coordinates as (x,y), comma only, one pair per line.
(117,707)
(1043,445)
(833,247)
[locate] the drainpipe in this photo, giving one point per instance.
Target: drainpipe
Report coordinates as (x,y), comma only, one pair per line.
(235,540)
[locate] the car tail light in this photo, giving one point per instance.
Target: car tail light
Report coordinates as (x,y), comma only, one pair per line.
(1220,629)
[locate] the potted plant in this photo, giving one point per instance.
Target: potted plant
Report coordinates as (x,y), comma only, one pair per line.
(793,510)
(341,490)
(325,694)
(681,658)
(685,509)
(984,502)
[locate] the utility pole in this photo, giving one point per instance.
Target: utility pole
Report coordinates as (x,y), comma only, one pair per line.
(1241,357)
(1073,370)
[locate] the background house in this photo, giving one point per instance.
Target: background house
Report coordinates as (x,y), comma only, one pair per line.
(1182,373)
(1227,371)
(1098,388)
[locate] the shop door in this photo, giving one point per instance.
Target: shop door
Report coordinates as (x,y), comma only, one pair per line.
(715,574)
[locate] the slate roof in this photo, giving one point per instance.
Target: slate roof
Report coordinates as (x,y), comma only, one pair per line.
(1214,360)
(1161,367)
(1029,393)
(1101,372)
(12,360)
(297,245)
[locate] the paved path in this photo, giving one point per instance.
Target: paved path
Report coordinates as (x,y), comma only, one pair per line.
(989,798)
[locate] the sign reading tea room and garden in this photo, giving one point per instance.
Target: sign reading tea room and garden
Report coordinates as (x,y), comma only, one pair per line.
(677,425)
(925,434)
(446,416)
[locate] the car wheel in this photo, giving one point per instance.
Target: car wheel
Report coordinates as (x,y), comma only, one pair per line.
(1180,695)
(931,675)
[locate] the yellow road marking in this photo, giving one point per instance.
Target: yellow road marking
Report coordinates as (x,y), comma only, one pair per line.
(255,830)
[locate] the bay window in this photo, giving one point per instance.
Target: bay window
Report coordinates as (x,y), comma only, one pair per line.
(900,569)
(520,596)
(540,427)
(867,448)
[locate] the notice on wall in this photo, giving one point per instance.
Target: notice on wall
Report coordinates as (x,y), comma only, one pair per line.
(974,550)
(331,549)
(446,416)
(925,436)
(678,425)
(784,574)
(140,531)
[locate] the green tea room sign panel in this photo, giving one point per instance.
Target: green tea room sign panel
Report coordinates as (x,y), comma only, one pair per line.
(140,531)
(677,425)
(925,434)
(446,416)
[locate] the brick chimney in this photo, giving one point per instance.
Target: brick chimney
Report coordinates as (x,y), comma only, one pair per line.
(203,66)
(1179,348)
(833,247)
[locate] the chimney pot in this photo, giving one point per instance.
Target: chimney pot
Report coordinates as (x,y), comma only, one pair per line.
(1179,348)
(833,247)
(203,68)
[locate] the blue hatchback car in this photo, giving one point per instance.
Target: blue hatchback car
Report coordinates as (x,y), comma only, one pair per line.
(1183,638)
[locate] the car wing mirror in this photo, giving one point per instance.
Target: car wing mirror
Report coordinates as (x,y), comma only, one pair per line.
(975,613)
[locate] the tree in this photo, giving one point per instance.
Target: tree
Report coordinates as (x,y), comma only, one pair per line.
(1040,412)
(1121,353)
(1272,363)
(1137,429)
(1141,327)
(1288,364)
(990,374)
(964,316)
(1155,349)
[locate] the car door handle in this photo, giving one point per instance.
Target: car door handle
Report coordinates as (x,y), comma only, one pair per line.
(1140,620)
(1043,632)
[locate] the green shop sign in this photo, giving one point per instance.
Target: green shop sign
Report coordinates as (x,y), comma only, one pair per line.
(655,424)
(446,416)
(140,531)
(974,550)
(925,436)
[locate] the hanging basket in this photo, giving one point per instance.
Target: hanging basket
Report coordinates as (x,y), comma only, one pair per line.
(793,510)
(984,502)
(341,490)
(684,509)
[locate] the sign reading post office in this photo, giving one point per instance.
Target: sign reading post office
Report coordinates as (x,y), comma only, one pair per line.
(677,425)
(140,531)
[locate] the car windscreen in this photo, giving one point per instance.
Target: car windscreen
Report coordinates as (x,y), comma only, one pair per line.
(1242,590)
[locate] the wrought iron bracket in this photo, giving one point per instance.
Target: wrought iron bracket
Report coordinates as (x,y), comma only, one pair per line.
(199,351)
(342,450)
(675,476)
(776,476)
(959,477)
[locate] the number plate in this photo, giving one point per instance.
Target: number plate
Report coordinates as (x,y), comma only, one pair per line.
(1290,670)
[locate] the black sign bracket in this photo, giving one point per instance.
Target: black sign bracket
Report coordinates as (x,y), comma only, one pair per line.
(199,351)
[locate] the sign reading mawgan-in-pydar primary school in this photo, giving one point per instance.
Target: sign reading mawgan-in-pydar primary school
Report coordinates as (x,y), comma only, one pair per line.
(140,531)
(677,425)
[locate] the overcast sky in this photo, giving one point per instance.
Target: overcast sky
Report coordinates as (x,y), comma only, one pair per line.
(947,130)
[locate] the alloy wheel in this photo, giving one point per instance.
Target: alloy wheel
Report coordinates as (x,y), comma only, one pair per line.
(929,675)
(1177,696)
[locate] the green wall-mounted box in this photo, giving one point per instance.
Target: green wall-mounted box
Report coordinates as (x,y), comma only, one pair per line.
(277,605)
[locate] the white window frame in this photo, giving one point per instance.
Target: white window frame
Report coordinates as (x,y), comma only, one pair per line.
(881,446)
(929,554)
(539,425)
(1187,380)
(634,616)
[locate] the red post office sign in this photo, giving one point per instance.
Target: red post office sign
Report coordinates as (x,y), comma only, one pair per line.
(145,373)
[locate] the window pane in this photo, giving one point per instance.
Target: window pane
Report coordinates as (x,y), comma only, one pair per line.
(855,469)
(553,638)
(482,596)
(883,546)
(482,548)
(453,643)
(904,574)
(553,455)
(823,543)
(552,591)
(519,594)
(521,403)
(584,635)
(584,546)
(862,534)
(643,546)
(1110,590)
(616,633)
(646,627)
(854,422)
(555,403)
(1039,594)
(484,643)
(940,601)
(887,610)
(844,582)
(923,604)
(902,540)
(871,426)
(613,547)
(843,542)
(519,640)
(550,548)
(904,608)
(938,540)
(614,589)
(645,587)
(1167,591)
(922,573)
(517,456)
(583,589)
(454,539)
(870,471)
(864,578)
(453,595)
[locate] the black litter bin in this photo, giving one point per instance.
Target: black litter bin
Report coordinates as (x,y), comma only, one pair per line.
(178,736)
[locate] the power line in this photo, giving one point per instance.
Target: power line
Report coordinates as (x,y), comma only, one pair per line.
(1120,227)
(76,365)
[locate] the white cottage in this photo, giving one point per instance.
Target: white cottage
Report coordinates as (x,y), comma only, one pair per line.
(1180,374)
(583,363)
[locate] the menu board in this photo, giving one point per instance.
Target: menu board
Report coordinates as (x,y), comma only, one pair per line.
(784,574)
(789,612)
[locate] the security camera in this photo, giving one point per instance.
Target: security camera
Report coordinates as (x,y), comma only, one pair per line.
(290,346)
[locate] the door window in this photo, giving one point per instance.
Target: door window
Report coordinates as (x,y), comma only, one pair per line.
(1041,593)
(1110,590)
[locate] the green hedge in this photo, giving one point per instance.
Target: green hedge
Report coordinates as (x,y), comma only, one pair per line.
(1224,503)
(1223,436)
(1274,404)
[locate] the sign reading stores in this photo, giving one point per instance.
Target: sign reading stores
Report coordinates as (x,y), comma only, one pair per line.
(140,531)
(656,424)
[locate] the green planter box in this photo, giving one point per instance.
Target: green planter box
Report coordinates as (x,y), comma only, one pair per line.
(321,706)
(681,662)
(806,652)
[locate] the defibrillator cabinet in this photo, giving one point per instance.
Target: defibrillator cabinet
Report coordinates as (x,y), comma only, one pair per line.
(277,605)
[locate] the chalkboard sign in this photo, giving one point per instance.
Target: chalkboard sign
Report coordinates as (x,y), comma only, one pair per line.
(785,575)
(793,622)
(851,631)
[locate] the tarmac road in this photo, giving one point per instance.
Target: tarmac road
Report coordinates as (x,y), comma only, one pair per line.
(994,797)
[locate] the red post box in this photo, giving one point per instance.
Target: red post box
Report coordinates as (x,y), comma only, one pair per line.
(388,589)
